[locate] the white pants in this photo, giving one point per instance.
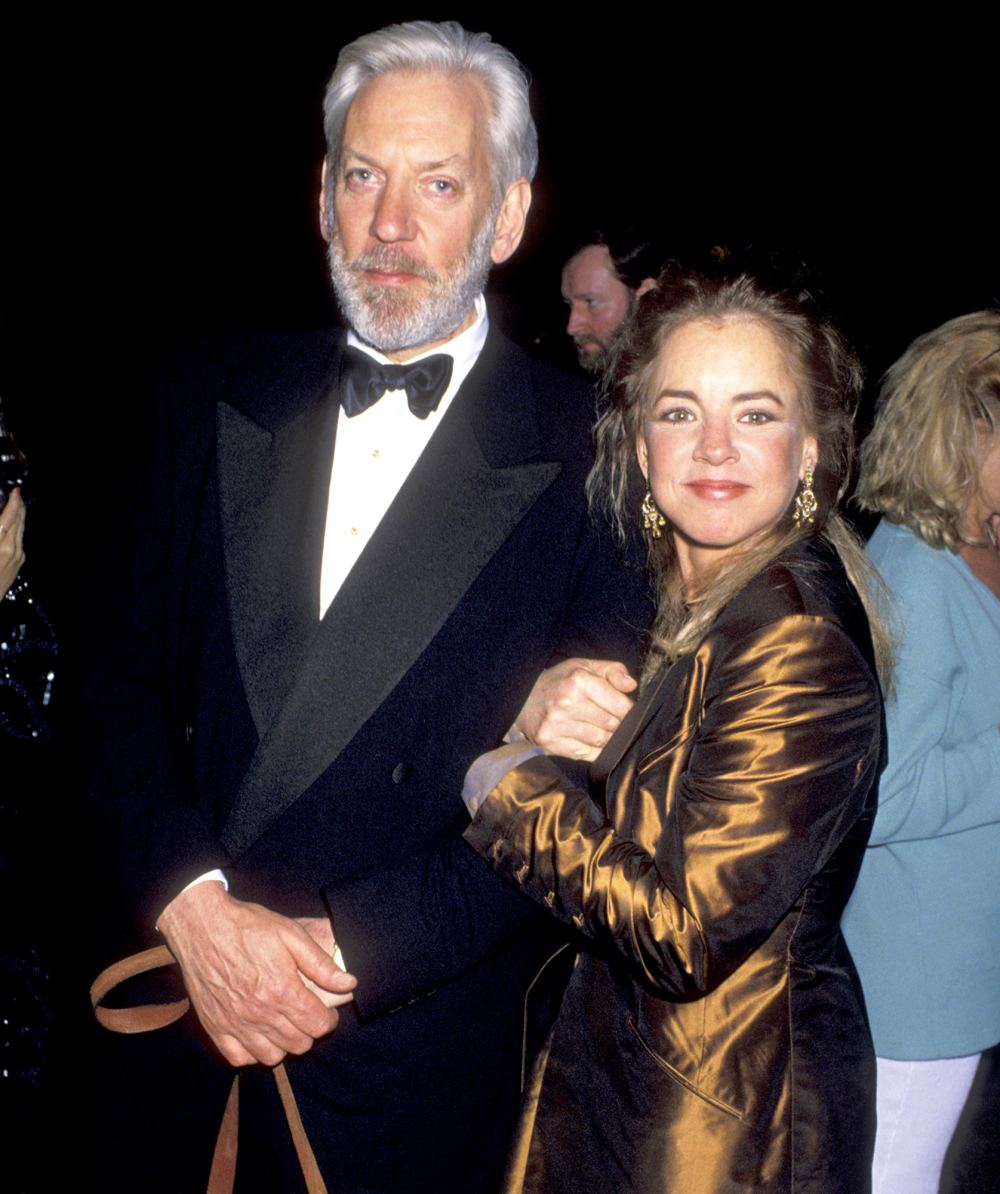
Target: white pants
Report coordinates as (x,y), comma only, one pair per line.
(918,1104)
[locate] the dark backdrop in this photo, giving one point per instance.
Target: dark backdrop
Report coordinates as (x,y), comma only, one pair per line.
(162,181)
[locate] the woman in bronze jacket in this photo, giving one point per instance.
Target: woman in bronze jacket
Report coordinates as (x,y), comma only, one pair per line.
(713,1037)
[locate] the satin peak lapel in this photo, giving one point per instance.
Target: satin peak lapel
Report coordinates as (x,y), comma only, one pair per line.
(268,485)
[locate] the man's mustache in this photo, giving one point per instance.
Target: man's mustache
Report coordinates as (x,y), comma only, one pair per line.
(386,259)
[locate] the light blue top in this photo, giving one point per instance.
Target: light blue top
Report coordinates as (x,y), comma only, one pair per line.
(924,922)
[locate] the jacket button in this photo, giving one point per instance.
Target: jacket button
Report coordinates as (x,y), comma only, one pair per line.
(401,773)
(550,898)
(521,873)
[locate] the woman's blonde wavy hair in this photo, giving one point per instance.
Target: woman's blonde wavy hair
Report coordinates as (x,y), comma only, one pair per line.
(920,465)
(829,378)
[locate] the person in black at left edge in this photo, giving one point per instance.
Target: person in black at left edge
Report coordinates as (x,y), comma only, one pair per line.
(27,771)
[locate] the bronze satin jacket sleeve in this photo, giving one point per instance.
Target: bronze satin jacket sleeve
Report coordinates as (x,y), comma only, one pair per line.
(735,795)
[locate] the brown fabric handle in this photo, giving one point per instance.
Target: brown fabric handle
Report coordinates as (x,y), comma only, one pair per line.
(151,1016)
(135,1019)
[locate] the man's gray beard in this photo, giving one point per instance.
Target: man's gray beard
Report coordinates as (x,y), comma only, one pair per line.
(392,318)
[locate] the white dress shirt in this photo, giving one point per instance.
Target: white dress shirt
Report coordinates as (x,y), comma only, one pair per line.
(375,451)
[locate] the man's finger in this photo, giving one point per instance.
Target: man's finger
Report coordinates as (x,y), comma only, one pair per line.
(235,1053)
(329,999)
(320,930)
(317,965)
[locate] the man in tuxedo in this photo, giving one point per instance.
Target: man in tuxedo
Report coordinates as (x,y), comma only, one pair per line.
(353,569)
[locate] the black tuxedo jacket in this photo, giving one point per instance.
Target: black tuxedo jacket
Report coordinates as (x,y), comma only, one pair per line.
(321,762)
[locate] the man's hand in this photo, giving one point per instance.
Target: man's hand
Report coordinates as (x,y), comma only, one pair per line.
(576,706)
(321,931)
(261,983)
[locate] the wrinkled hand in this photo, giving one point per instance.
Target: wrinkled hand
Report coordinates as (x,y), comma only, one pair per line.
(262,985)
(576,706)
(11,540)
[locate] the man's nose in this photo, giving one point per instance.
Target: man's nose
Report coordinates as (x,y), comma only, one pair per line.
(577,324)
(392,219)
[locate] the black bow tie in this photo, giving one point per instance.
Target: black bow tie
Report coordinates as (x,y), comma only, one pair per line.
(363,381)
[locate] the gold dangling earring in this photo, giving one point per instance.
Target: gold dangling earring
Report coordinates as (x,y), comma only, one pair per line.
(805,502)
(652,519)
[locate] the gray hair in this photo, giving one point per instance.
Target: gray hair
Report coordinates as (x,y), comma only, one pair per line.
(448,49)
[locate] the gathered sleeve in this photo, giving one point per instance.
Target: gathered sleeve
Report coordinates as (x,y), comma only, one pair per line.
(737,793)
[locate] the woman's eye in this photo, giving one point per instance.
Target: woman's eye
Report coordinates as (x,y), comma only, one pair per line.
(757,417)
(676,414)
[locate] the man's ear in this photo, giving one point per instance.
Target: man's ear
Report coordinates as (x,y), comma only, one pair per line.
(644,285)
(509,227)
(324,219)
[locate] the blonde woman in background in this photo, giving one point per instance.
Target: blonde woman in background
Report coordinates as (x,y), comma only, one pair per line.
(924,923)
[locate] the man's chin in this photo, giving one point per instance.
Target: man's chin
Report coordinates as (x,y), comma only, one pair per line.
(399,327)
(592,359)
(386,317)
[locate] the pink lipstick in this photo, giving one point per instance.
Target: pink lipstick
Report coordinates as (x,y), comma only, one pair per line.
(714,490)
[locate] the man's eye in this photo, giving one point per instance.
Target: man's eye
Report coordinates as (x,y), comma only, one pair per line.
(441,186)
(359,176)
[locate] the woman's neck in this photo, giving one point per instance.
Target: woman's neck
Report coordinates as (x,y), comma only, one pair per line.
(983,554)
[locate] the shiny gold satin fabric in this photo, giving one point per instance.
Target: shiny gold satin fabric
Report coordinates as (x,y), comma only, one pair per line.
(713,1036)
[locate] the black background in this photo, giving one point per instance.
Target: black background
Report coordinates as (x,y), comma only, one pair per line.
(162,180)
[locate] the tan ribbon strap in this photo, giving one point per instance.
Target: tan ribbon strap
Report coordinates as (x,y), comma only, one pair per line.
(151,1016)
(135,1019)
(303,1149)
(222,1177)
